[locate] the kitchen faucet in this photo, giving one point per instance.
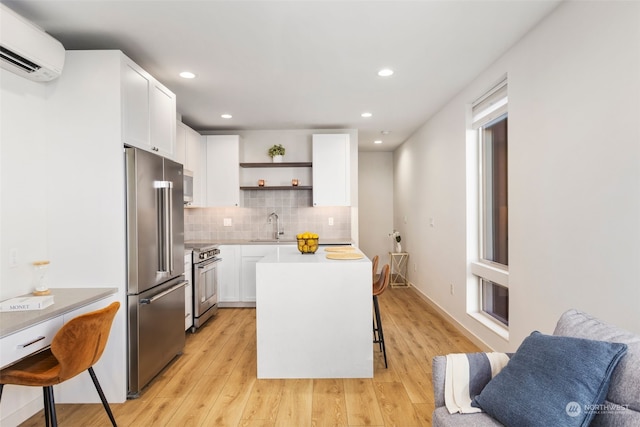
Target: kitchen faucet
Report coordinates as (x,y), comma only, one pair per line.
(277,233)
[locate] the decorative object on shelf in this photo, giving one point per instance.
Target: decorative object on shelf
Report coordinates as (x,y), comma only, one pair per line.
(41,280)
(294,182)
(276,152)
(261,183)
(396,235)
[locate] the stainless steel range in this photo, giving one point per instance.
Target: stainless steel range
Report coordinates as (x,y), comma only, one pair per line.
(206,261)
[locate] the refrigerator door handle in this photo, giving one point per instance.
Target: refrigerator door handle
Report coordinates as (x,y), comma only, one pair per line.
(165,225)
(163,293)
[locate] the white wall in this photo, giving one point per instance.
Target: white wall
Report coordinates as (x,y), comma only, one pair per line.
(375,170)
(574,177)
(23,190)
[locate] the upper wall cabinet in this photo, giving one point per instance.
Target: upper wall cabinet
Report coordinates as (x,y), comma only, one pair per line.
(223,177)
(149,111)
(331,170)
(190,151)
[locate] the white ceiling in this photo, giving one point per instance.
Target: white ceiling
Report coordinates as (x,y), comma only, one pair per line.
(300,64)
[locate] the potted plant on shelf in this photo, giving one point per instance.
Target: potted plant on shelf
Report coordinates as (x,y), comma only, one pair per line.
(276,152)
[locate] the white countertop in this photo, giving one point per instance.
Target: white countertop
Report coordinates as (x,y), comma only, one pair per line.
(64,300)
(292,255)
(287,241)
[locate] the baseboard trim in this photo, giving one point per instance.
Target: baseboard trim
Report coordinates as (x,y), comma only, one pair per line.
(23,413)
(464,331)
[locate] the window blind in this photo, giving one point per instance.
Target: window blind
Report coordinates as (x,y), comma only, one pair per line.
(490,106)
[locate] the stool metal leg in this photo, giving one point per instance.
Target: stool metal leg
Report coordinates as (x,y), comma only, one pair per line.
(102,397)
(380,339)
(52,406)
(45,396)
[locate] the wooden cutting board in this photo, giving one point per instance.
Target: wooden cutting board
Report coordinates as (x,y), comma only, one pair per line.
(344,255)
(339,249)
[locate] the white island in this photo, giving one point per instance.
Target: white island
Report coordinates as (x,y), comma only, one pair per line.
(313,316)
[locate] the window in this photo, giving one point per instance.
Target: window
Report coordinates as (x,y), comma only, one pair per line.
(490,119)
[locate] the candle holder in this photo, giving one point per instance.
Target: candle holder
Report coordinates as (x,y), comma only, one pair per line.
(261,183)
(40,279)
(294,182)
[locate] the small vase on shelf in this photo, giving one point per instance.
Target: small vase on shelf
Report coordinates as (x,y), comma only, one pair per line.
(398,247)
(277,159)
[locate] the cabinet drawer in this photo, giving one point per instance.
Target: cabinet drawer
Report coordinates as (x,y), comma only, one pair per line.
(23,343)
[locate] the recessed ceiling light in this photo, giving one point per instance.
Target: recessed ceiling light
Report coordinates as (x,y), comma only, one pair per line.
(366,115)
(385,132)
(226,116)
(187,75)
(377,141)
(385,72)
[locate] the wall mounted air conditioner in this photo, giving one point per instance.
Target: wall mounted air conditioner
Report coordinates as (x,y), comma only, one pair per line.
(26,50)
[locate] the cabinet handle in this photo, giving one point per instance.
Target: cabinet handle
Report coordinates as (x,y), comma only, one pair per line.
(31,342)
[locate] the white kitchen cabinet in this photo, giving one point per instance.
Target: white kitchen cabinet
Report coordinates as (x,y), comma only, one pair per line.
(237,285)
(251,254)
(181,143)
(229,276)
(135,105)
(190,151)
(223,176)
(162,113)
(331,170)
(195,161)
(248,277)
(148,111)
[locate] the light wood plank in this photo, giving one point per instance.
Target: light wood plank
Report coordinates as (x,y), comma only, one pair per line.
(199,401)
(296,404)
(227,410)
(328,403)
(362,404)
(397,409)
(264,400)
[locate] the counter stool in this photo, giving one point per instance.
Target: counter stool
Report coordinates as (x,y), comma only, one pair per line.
(378,288)
(374,265)
(76,347)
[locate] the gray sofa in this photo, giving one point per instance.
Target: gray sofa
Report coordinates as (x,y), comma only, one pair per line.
(624,389)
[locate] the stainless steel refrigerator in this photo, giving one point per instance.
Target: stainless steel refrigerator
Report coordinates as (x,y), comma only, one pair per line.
(155,251)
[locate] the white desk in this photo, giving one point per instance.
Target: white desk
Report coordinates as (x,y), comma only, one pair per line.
(313,316)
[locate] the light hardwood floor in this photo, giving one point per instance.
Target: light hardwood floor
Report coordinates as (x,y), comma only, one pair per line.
(214,382)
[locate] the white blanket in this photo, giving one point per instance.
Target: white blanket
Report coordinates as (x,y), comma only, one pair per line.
(466,375)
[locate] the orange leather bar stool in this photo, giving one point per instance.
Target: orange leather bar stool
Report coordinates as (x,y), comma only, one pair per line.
(76,347)
(374,264)
(378,288)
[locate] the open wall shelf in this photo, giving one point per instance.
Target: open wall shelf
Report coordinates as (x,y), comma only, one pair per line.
(278,187)
(277,165)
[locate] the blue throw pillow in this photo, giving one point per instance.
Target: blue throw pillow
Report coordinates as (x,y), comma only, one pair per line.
(551,381)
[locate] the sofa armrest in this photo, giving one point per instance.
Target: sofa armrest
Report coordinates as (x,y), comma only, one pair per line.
(438,369)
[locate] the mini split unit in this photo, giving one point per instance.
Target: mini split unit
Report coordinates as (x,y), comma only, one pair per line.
(26,50)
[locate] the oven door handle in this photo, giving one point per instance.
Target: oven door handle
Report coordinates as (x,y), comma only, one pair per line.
(164,293)
(208,263)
